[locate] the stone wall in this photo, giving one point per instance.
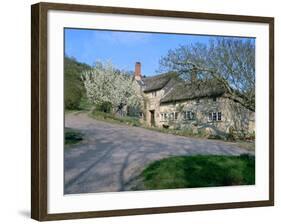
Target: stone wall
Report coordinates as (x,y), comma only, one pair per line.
(152,100)
(233,116)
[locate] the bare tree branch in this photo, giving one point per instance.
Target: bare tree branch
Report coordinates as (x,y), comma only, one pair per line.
(231,61)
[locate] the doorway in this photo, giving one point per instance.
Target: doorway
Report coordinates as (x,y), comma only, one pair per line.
(152,117)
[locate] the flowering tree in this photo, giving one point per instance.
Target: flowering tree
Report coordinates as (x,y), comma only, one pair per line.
(104,83)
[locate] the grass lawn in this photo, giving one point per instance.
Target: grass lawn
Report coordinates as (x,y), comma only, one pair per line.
(199,171)
(72,136)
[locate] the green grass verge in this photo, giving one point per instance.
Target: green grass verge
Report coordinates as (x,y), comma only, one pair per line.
(133,121)
(199,171)
(72,136)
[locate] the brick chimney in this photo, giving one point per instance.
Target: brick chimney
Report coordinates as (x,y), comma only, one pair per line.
(138,71)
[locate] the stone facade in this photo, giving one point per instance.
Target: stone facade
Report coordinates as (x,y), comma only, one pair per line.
(213,113)
(216,115)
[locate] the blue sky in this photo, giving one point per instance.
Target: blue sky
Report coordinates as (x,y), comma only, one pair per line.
(123,49)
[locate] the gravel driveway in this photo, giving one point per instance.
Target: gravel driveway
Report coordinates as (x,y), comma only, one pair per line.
(112,155)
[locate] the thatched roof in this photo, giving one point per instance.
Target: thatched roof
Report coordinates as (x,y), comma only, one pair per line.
(157,82)
(189,91)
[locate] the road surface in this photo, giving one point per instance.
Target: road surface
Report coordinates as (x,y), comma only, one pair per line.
(111,156)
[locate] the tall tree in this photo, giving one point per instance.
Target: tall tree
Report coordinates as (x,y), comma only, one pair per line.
(104,83)
(231,61)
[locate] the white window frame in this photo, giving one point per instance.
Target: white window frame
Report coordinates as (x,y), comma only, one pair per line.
(210,116)
(169,116)
(214,116)
(188,115)
(219,115)
(162,116)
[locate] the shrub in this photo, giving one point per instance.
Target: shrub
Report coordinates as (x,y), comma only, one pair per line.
(72,136)
(230,136)
(251,136)
(105,107)
(85,104)
(72,95)
(215,137)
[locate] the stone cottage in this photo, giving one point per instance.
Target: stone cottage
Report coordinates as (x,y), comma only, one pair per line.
(169,102)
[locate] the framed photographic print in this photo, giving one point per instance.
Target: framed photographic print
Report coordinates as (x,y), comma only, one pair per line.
(139,111)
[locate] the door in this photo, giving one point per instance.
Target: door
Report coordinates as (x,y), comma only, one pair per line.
(152,117)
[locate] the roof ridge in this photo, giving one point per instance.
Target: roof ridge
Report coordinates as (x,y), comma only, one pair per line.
(157,82)
(187,91)
(159,75)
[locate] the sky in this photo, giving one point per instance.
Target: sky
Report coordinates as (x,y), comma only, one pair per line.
(123,49)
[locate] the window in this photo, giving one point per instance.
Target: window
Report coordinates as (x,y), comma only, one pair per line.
(176,115)
(154,93)
(215,116)
(219,116)
(210,117)
(172,116)
(197,100)
(188,115)
(184,115)
(214,99)
(166,116)
(169,116)
(162,116)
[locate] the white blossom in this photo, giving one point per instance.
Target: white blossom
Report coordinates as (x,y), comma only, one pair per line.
(104,83)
